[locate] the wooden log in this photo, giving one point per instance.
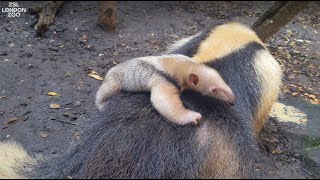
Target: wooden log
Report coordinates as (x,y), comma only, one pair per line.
(107,14)
(45,14)
(277,17)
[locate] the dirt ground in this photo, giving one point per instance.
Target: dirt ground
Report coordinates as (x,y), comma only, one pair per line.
(75,45)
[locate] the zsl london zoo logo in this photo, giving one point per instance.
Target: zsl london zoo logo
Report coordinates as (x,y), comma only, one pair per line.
(13,10)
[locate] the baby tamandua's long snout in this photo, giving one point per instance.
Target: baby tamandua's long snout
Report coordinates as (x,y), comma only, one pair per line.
(209,82)
(225,94)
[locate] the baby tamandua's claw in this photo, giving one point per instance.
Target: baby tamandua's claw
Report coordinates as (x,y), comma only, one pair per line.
(190,117)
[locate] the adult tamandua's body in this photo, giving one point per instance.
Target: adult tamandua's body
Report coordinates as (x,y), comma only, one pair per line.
(257,78)
(130,140)
(165,77)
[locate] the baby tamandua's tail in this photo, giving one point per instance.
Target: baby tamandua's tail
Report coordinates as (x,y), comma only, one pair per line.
(106,90)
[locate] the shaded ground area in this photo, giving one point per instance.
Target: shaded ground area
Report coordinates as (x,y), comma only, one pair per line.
(75,45)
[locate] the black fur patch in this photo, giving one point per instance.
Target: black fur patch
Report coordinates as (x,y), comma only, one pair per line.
(191,48)
(237,69)
(131,140)
(166,76)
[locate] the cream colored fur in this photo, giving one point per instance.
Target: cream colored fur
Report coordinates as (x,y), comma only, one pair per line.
(270,76)
(12,159)
(142,74)
(224,40)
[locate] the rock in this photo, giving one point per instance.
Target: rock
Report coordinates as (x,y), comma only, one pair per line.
(277,151)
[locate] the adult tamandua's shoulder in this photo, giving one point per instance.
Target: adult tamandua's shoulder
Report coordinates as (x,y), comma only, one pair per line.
(216,42)
(237,43)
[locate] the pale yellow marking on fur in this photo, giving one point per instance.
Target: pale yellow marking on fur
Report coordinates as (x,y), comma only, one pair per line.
(223,40)
(203,135)
(224,159)
(12,159)
(270,77)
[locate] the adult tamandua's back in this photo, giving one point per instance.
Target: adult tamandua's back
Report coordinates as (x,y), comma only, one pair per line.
(257,79)
(130,140)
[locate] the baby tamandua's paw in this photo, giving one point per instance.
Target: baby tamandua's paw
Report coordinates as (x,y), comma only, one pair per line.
(190,117)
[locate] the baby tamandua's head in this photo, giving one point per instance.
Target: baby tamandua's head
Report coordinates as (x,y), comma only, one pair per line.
(209,82)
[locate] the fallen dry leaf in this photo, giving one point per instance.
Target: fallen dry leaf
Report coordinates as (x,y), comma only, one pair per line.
(53,94)
(271,140)
(55,106)
(277,151)
(95,75)
(287,90)
(311,96)
(316,101)
(295,94)
(311,66)
(11,120)
(43,134)
(77,135)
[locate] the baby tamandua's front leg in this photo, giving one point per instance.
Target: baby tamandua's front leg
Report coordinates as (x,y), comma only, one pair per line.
(165,98)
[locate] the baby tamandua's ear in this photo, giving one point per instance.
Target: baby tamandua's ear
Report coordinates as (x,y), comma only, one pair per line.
(193,79)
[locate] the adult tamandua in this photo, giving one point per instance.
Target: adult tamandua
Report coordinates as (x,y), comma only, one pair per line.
(131,140)
(257,78)
(165,77)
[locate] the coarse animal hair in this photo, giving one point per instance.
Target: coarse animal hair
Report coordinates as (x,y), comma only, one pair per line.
(131,140)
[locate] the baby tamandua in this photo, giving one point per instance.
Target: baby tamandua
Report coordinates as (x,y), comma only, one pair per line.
(166,77)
